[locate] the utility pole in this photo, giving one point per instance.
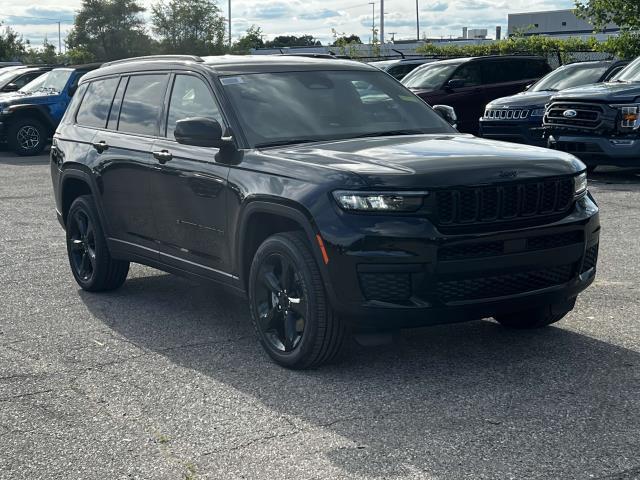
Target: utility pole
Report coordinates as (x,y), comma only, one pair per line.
(417,22)
(229,24)
(381,22)
(393,36)
(59,40)
(373,21)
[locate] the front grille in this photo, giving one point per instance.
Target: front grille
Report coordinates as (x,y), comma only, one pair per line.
(492,249)
(503,285)
(505,114)
(586,115)
(590,258)
(508,202)
(386,287)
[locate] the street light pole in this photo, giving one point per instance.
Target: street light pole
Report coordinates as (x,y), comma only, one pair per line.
(417,21)
(59,40)
(373,21)
(229,24)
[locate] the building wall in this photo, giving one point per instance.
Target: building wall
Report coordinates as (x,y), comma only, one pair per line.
(554,23)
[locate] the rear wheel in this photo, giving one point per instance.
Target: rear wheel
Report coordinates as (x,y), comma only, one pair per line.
(289,308)
(536,317)
(89,258)
(27,137)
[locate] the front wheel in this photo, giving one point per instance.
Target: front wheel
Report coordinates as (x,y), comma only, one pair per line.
(537,317)
(27,137)
(289,308)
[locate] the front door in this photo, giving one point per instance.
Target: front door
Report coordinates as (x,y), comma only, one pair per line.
(469,99)
(190,188)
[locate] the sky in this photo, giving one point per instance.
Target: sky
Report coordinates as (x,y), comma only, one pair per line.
(36,20)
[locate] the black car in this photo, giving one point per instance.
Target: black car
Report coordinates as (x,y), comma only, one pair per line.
(14,78)
(518,118)
(598,123)
(468,84)
(331,206)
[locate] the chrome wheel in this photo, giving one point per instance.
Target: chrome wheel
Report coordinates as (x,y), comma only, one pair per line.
(281,303)
(28,137)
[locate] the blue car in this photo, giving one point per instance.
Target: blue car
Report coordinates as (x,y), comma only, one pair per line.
(518,118)
(29,117)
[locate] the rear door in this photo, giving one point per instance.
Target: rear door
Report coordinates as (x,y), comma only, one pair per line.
(190,187)
(124,164)
(508,76)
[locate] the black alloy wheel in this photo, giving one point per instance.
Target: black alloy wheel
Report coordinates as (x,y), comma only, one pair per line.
(290,311)
(82,245)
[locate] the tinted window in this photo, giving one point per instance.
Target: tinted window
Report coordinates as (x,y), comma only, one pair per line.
(24,79)
(469,74)
(112,124)
(430,77)
(570,76)
(95,106)
(326,105)
(190,97)
(141,105)
(513,70)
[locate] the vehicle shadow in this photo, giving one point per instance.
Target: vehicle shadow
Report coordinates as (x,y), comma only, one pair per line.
(472,398)
(615,175)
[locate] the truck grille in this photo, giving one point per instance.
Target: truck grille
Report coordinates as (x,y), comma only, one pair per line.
(585,115)
(503,285)
(505,114)
(504,203)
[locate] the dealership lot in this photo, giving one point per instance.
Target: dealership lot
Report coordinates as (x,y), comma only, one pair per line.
(164,378)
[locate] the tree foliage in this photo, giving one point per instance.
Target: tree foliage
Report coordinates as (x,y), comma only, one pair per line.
(12,47)
(624,13)
(189,27)
(292,41)
(251,39)
(109,30)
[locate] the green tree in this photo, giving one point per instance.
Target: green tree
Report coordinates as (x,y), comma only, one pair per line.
(110,30)
(624,13)
(251,39)
(12,47)
(346,40)
(292,41)
(45,54)
(189,27)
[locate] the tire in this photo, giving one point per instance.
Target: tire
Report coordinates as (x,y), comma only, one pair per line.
(289,308)
(28,137)
(536,317)
(89,258)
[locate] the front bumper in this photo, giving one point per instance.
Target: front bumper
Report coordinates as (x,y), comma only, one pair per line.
(529,133)
(397,274)
(599,150)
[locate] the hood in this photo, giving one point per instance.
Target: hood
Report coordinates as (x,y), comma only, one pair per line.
(15,98)
(433,161)
(524,99)
(610,92)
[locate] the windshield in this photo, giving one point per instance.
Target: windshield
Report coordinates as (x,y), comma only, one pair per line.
(630,73)
(430,77)
(53,81)
(297,107)
(7,77)
(570,76)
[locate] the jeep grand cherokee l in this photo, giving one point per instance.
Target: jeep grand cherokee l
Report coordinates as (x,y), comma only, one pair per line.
(273,176)
(598,123)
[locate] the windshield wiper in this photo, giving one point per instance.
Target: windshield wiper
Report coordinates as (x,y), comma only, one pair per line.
(390,133)
(292,141)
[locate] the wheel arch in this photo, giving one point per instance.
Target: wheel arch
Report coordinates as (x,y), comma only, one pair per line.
(39,112)
(261,218)
(76,180)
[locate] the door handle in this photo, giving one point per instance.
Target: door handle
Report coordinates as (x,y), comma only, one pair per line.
(163,156)
(100,146)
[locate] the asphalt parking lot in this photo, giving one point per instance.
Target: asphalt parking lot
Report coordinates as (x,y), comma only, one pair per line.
(165,379)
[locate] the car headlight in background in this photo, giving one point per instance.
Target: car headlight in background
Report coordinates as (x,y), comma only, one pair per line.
(580,183)
(629,116)
(537,112)
(379,201)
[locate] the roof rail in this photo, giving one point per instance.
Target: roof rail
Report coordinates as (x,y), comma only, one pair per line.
(192,58)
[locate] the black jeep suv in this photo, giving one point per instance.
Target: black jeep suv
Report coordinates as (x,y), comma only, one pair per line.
(331,205)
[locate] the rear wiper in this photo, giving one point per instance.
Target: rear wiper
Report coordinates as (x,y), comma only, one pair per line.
(292,141)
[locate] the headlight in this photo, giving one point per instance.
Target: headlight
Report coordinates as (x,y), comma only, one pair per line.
(537,112)
(629,116)
(379,201)
(580,183)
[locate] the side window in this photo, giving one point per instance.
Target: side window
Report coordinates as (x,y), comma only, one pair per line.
(469,73)
(24,79)
(142,103)
(190,97)
(531,69)
(95,107)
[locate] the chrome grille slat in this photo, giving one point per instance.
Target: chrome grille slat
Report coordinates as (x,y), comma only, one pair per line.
(506,113)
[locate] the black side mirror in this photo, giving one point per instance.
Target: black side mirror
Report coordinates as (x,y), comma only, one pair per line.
(199,131)
(448,113)
(10,87)
(454,83)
